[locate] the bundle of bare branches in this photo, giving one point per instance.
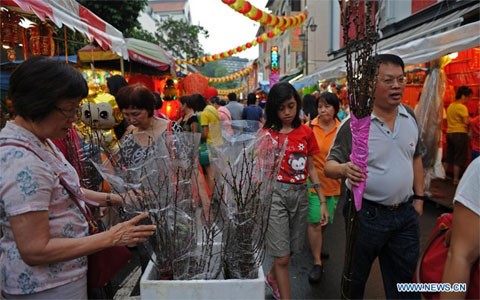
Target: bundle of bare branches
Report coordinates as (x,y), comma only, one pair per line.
(247,164)
(360,36)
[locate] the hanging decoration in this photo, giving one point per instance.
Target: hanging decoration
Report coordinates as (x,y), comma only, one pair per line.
(264,18)
(236,90)
(41,40)
(195,83)
(260,39)
(233,76)
(279,24)
(11,32)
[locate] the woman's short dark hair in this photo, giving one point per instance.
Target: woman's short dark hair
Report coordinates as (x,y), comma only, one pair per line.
(331,99)
(463,91)
(309,106)
(184,99)
(215,100)
(115,83)
(136,96)
(198,102)
(39,83)
(278,94)
(158,100)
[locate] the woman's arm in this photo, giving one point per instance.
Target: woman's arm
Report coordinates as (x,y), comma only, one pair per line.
(464,249)
(312,172)
(103,199)
(32,236)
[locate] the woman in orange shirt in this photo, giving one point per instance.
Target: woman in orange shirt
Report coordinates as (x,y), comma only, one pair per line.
(324,127)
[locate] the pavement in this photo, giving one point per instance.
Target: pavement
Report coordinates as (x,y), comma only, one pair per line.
(126,283)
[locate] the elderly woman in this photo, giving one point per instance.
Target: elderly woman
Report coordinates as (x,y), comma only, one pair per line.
(137,104)
(45,237)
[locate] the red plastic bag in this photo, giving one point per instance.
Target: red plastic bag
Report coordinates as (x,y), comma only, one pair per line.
(432,263)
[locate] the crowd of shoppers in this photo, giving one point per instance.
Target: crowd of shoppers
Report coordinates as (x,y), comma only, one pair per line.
(44,229)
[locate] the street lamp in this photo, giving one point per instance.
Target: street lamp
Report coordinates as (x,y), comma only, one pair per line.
(304,37)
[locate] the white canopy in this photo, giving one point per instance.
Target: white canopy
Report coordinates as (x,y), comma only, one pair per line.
(419,45)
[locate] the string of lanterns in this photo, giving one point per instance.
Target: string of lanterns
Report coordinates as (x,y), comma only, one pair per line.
(280,24)
(264,18)
(233,76)
(236,90)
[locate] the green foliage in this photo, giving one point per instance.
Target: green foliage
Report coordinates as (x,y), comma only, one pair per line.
(181,38)
(121,14)
(141,34)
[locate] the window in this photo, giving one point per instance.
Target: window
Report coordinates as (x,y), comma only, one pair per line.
(296,5)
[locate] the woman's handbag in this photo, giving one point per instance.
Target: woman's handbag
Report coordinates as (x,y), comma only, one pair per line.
(104,264)
(432,263)
(203,155)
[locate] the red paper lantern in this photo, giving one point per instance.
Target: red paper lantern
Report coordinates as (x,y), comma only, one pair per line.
(195,84)
(246,8)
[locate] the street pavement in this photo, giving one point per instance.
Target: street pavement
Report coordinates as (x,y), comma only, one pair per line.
(127,287)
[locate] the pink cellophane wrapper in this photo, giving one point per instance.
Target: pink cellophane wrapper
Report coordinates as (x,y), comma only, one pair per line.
(360,130)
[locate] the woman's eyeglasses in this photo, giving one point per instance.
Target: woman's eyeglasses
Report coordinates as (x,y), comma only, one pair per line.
(69,113)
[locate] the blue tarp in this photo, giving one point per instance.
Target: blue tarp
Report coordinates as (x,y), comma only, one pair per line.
(6,68)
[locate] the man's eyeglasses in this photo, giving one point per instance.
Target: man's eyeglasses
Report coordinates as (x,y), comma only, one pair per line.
(390,81)
(69,113)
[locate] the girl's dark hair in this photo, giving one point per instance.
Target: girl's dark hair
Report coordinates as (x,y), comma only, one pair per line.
(136,96)
(115,83)
(331,99)
(198,102)
(309,106)
(278,94)
(39,83)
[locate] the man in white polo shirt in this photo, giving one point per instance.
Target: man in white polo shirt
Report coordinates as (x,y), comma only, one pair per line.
(393,198)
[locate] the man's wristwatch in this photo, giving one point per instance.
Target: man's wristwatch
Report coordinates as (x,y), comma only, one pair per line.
(418,197)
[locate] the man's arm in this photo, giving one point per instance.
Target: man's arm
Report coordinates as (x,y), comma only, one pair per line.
(353,173)
(418,184)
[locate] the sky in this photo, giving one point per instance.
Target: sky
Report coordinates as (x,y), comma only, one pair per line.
(227,28)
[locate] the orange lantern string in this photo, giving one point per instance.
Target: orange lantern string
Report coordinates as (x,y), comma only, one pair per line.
(260,39)
(258,15)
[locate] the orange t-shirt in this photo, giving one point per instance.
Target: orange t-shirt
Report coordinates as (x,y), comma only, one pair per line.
(329,186)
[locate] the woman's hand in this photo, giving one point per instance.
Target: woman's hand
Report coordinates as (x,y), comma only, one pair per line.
(129,233)
(324,214)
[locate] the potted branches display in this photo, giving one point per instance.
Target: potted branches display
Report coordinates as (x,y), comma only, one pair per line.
(193,254)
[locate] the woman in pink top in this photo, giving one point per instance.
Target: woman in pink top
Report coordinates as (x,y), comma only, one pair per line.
(45,239)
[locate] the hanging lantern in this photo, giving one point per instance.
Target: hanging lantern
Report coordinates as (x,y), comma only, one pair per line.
(11,56)
(47,45)
(41,40)
(34,41)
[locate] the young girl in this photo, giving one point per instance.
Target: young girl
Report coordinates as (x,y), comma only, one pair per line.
(289,208)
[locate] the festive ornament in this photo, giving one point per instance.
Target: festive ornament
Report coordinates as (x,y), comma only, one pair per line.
(169,91)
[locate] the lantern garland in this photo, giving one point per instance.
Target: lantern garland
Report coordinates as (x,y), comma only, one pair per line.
(280,24)
(233,76)
(266,19)
(236,90)
(230,77)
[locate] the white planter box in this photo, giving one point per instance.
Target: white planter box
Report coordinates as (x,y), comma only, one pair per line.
(200,289)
